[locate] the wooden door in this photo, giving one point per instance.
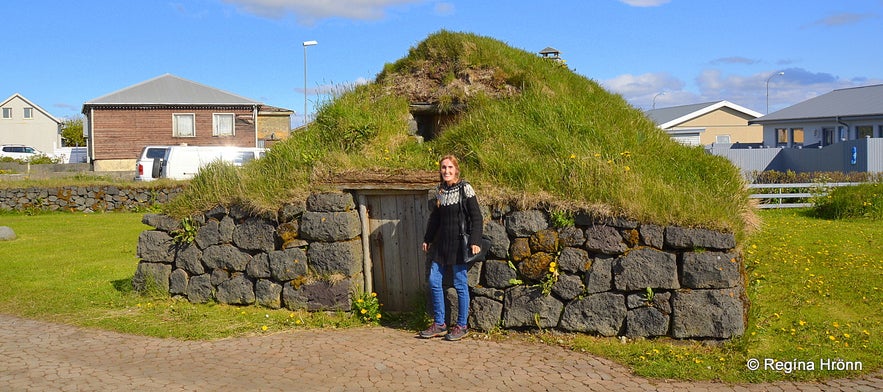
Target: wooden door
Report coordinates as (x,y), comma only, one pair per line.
(396,223)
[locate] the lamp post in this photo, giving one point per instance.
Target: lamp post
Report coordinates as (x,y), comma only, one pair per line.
(768,89)
(306,43)
(654,99)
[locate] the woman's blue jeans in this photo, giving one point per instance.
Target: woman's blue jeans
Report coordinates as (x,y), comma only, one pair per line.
(437,293)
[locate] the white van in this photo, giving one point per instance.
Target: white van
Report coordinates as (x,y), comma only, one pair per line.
(149,164)
(183,162)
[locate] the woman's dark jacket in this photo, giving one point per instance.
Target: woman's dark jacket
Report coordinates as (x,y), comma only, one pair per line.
(443,229)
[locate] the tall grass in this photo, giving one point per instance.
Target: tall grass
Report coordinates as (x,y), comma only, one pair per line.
(534,133)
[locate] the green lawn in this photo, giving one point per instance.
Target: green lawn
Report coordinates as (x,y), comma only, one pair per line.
(815,288)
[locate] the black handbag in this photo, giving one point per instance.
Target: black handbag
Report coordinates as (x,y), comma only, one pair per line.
(484,243)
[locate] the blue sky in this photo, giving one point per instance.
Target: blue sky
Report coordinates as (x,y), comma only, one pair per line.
(60,54)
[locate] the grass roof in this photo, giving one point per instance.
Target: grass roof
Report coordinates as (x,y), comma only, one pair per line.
(528,131)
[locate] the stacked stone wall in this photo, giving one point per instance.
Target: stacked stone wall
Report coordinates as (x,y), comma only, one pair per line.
(307,256)
(610,278)
(84,198)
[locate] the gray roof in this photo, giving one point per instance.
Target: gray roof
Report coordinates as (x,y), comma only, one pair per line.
(664,115)
(847,102)
(170,90)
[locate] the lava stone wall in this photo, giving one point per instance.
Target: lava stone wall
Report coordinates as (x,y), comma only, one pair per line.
(84,198)
(611,278)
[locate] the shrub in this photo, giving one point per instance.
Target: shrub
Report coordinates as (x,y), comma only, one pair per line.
(858,201)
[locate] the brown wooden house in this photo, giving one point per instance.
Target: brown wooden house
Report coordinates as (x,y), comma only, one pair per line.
(166,110)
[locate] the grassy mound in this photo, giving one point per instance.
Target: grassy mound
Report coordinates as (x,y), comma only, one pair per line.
(528,131)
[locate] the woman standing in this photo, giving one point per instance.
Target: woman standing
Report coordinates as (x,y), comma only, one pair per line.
(443,233)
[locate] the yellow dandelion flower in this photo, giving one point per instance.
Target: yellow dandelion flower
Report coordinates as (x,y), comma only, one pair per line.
(846,335)
(360,300)
(802,323)
(378,316)
(836,324)
(373,294)
(572,156)
(264,328)
(627,168)
(832,337)
(364,311)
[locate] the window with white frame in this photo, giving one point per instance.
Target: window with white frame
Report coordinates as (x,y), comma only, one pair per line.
(184,125)
(223,124)
(722,139)
(863,131)
(28,113)
(7,113)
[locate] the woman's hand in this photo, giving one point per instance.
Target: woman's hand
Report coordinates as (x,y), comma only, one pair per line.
(476,249)
(425,247)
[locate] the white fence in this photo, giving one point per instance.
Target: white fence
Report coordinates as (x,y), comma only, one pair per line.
(776,195)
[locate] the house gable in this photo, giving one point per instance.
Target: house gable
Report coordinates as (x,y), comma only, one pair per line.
(41,131)
(707,123)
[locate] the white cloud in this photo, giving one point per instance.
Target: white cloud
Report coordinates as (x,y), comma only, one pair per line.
(637,85)
(309,11)
(644,3)
(797,85)
(444,9)
(842,19)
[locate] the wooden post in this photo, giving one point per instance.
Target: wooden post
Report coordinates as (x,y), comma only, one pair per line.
(367,265)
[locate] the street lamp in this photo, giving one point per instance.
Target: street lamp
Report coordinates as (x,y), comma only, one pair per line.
(768,90)
(654,99)
(306,43)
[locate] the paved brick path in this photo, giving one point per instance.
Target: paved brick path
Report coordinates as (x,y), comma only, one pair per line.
(40,356)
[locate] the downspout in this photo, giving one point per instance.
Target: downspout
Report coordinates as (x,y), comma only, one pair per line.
(839,121)
(255,116)
(90,141)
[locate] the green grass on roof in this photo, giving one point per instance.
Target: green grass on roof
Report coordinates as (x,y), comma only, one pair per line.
(530,132)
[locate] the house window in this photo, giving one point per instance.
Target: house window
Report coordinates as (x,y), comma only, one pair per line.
(863,131)
(797,137)
(722,139)
(183,125)
(880,130)
(29,113)
(781,137)
(7,113)
(222,124)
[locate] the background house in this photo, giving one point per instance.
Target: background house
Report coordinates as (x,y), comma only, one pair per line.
(166,110)
(841,131)
(838,116)
(706,123)
(23,122)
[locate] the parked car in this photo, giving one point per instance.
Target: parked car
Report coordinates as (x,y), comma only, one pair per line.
(148,167)
(18,151)
(183,162)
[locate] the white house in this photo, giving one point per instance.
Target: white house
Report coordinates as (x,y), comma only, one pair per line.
(23,122)
(835,117)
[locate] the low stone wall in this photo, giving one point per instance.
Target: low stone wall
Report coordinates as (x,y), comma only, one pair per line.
(614,278)
(84,198)
(309,256)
